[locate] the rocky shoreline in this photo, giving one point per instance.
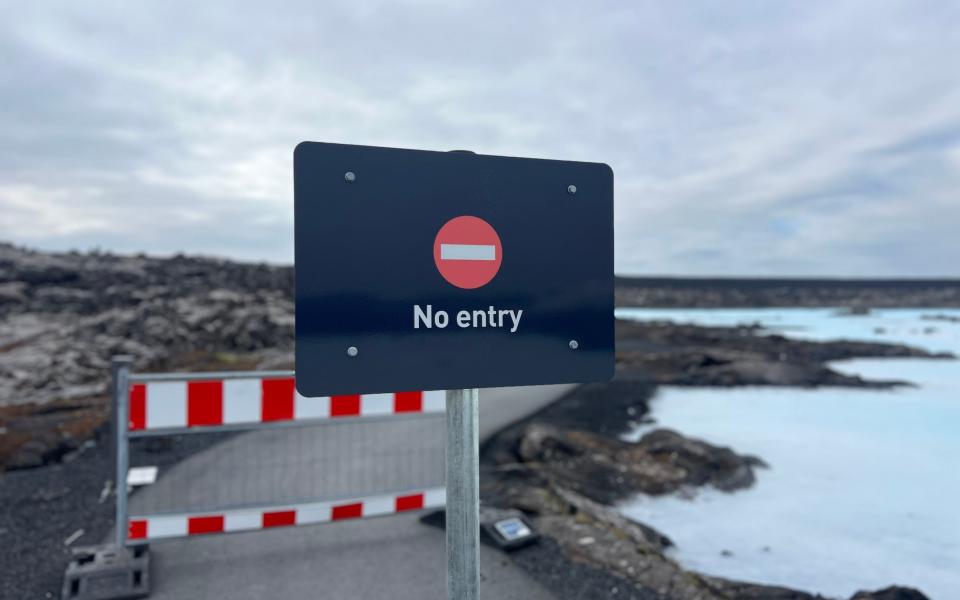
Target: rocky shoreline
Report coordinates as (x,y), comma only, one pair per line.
(62,316)
(566,466)
(679,354)
(565,482)
(859,294)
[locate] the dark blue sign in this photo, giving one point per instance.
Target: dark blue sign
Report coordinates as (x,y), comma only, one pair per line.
(424,270)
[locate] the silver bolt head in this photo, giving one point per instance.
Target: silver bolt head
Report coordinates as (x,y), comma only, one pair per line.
(352,351)
(574,344)
(571,189)
(349,176)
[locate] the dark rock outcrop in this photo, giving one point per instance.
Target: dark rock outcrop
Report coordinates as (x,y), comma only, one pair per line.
(941,317)
(891,593)
(609,551)
(564,469)
(62,316)
(607,469)
(678,354)
(744,292)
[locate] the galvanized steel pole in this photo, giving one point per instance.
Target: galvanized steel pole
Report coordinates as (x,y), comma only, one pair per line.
(463,494)
(120,385)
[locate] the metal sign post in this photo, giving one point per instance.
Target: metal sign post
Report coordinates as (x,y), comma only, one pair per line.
(120,369)
(463,494)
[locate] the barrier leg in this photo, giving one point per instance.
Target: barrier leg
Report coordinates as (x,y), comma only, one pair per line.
(120,390)
(463,495)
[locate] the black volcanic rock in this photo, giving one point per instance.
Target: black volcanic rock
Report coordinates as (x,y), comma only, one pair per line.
(891,593)
(64,315)
(858,294)
(607,469)
(678,354)
(89,283)
(565,465)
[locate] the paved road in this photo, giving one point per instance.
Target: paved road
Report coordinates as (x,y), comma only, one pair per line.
(393,557)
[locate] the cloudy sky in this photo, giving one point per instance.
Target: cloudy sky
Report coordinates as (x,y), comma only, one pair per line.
(754,138)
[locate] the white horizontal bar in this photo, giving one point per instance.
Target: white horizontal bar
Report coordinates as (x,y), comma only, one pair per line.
(467,252)
(208,375)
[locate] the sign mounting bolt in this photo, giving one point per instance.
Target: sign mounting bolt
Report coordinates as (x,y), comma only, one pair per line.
(571,189)
(349,176)
(352,351)
(574,344)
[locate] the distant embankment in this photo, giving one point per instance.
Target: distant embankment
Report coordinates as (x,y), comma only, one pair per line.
(746,292)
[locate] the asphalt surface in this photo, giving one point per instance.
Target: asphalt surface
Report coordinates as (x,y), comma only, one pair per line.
(393,557)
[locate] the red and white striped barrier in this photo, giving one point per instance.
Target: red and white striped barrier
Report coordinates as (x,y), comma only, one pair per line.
(154,527)
(213,403)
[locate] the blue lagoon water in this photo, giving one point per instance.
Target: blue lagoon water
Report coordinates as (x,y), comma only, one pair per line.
(864,485)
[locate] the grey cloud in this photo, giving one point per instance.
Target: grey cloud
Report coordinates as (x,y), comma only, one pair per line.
(770,138)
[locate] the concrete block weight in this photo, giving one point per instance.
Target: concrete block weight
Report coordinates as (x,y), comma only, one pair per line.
(108,573)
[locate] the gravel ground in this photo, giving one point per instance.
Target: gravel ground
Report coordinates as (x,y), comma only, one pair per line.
(46,506)
(547,563)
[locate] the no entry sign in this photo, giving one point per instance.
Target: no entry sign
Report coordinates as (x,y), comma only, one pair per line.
(441,270)
(468,252)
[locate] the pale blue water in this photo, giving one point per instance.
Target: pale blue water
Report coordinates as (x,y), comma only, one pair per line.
(864,488)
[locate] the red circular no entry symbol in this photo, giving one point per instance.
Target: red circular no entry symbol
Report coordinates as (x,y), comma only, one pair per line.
(467,252)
